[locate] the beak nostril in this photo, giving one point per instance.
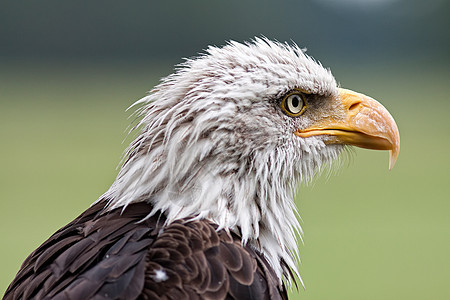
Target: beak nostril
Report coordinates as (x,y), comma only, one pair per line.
(354,106)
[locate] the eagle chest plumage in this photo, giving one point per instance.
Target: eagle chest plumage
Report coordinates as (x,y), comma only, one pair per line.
(124,255)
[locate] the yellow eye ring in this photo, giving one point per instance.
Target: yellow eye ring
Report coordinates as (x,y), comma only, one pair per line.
(294,104)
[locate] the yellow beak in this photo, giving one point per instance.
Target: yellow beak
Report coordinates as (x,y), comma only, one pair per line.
(364,122)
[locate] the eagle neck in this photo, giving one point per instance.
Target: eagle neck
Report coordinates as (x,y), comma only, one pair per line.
(254,201)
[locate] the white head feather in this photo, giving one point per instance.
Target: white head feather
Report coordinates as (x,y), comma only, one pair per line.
(215,144)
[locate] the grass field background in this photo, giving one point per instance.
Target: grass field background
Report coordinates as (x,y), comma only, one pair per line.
(370,233)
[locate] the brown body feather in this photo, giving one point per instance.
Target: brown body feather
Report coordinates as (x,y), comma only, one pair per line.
(116,255)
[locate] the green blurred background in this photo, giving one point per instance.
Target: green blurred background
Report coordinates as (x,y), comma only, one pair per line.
(69,69)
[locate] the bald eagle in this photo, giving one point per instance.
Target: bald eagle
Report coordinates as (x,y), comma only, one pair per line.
(202,207)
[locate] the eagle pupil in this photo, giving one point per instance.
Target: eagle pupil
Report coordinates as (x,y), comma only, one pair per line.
(295,101)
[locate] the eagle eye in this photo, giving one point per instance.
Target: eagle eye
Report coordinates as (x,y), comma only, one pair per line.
(293,104)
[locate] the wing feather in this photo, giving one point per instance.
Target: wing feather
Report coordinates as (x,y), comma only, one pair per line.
(216,266)
(124,255)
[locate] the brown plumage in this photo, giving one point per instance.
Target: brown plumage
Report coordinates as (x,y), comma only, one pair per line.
(114,255)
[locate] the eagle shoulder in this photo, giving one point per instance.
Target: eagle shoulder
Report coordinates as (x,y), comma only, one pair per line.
(192,260)
(124,255)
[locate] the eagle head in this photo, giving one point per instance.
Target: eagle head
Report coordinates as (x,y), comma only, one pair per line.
(229,135)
